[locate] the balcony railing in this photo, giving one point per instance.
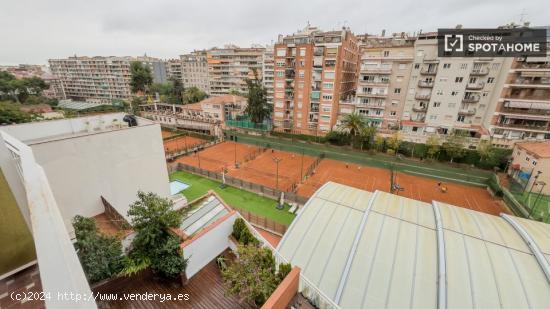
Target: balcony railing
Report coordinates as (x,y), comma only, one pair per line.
(428,71)
(525,126)
(467,112)
(379,70)
(479,71)
(423,96)
(425,84)
(475,86)
(373,94)
(529,111)
(420,109)
(471,99)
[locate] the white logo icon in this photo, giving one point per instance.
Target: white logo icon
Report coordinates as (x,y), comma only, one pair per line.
(453,42)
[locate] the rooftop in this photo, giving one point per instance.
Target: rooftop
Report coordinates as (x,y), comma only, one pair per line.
(379,250)
(539,149)
(52,130)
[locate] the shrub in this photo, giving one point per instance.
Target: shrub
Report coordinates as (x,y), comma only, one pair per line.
(284,270)
(100,256)
(242,233)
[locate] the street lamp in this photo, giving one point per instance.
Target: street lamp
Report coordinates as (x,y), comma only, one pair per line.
(542,184)
(277,160)
(534,182)
(302,167)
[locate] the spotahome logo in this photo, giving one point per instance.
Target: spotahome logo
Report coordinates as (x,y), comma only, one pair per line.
(492,42)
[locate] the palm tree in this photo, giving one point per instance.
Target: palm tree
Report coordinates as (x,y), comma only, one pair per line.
(353,125)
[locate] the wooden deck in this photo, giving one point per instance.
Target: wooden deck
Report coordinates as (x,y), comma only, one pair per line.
(205,290)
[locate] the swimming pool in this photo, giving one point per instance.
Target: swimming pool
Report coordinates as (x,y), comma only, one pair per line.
(176,186)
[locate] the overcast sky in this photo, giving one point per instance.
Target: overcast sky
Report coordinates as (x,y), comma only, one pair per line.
(32,31)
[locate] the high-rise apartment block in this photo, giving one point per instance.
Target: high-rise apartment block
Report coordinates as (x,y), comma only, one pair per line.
(229,67)
(523,110)
(450,93)
(194,68)
(384,72)
(100,79)
(314,71)
(268,72)
(174,69)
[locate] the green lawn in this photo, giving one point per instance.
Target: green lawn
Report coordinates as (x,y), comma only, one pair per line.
(236,198)
(436,170)
(542,206)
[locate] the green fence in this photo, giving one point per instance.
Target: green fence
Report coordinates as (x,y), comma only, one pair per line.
(247,124)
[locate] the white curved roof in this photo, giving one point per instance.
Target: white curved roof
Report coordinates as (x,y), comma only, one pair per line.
(379,250)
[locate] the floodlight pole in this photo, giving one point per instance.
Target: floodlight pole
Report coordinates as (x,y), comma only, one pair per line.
(534,182)
(277,160)
(537,199)
(302,167)
(199,158)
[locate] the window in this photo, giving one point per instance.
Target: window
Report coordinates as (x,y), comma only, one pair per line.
(329,75)
(327,109)
(534,162)
(439,92)
(433,117)
(463,66)
(281,52)
(490,80)
(301,85)
(459,80)
(437,104)
(402,66)
(280,63)
(327,96)
(280,73)
(302,52)
(460,118)
(495,66)
(485,93)
(279,104)
(397,90)
(394,102)
(417,65)
(386,53)
(328,85)
(393,113)
(453,93)
(446,65)
(443,79)
(301,73)
(526,158)
(451,105)
(279,85)
(399,79)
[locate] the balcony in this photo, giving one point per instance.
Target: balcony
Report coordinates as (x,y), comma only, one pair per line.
(376,70)
(479,71)
(527,112)
(425,84)
(428,71)
(471,99)
(423,96)
(420,109)
(467,112)
(475,86)
(527,126)
(373,94)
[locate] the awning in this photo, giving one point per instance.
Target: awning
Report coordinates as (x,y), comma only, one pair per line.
(538,59)
(531,105)
(535,74)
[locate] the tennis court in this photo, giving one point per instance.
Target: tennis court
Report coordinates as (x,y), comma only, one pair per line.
(263,169)
(181,143)
(428,189)
(220,156)
(358,176)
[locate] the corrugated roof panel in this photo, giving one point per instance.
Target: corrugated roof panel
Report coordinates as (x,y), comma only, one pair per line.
(536,285)
(539,231)
(404,208)
(356,283)
(425,280)
(337,262)
(289,244)
(305,251)
(498,231)
(459,290)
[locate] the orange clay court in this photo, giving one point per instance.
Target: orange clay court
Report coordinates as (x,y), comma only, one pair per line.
(357,176)
(427,189)
(263,169)
(181,143)
(220,156)
(166,133)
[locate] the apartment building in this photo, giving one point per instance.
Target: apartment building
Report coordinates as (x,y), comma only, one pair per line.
(268,72)
(523,110)
(384,73)
(314,71)
(100,79)
(194,70)
(447,93)
(174,69)
(229,67)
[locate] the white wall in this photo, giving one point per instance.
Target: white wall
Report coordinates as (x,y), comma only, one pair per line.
(205,248)
(114,164)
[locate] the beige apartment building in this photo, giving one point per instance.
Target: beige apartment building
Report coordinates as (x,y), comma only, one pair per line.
(531,164)
(448,93)
(174,69)
(194,67)
(100,79)
(384,73)
(229,67)
(268,73)
(522,112)
(314,72)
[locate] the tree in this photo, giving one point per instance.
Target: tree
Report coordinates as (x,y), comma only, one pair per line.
(454,145)
(134,104)
(234,91)
(20,89)
(257,108)
(433,145)
(11,113)
(379,143)
(152,217)
(367,136)
(141,77)
(177,92)
(394,141)
(485,149)
(194,94)
(253,276)
(100,255)
(353,125)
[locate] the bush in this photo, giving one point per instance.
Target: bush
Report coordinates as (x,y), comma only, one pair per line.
(243,234)
(337,138)
(284,270)
(100,256)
